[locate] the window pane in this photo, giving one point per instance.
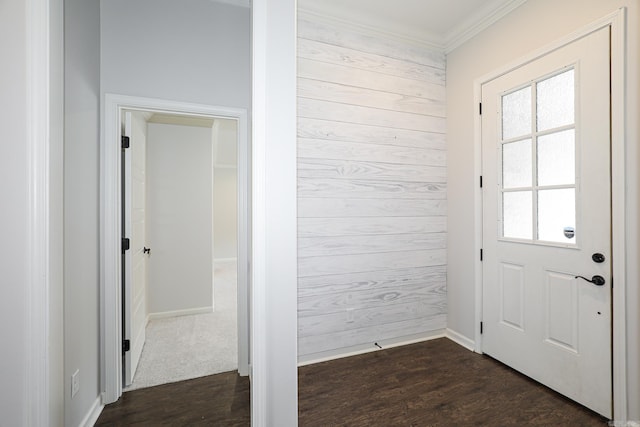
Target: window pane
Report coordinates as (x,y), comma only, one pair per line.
(516,214)
(555,101)
(516,113)
(516,164)
(556,211)
(557,158)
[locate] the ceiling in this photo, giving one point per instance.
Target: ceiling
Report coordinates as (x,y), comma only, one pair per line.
(443,24)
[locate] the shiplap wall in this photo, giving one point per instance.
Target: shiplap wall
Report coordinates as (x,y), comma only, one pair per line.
(371,189)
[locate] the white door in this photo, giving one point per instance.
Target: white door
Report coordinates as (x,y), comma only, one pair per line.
(135,280)
(546,220)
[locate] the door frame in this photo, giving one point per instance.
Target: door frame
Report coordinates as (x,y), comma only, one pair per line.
(616,21)
(110,229)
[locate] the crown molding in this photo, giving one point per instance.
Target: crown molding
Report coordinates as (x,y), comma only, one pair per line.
(432,42)
(479,22)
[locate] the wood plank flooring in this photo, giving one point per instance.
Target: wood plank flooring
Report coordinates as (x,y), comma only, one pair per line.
(434,383)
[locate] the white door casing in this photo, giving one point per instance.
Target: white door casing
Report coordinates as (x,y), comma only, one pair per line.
(135,286)
(110,292)
(537,317)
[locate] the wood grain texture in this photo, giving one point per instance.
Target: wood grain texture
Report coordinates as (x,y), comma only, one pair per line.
(316,70)
(313,30)
(344,264)
(349,245)
(352,58)
(340,112)
(360,151)
(433,383)
(371,151)
(353,132)
(322,227)
(314,207)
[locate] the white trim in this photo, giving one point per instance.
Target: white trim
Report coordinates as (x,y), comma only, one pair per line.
(93,414)
(37,379)
(225,259)
(370,347)
(470,28)
(617,22)
(460,339)
(179,313)
(110,275)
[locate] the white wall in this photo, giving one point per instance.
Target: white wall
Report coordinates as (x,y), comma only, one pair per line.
(529,27)
(179,217)
(14,215)
(371,190)
(81,187)
(194,51)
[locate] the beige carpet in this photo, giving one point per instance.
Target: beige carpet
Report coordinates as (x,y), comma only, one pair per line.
(186,347)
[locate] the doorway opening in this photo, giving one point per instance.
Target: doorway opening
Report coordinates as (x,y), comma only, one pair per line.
(184,219)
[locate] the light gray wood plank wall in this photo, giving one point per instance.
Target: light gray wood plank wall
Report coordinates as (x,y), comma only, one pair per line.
(371,189)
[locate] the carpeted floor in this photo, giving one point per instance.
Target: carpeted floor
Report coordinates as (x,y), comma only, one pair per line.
(186,347)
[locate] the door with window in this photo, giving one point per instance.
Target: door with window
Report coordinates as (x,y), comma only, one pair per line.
(547,220)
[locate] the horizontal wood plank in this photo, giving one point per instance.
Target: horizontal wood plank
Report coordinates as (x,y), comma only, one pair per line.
(332,341)
(332,73)
(345,169)
(344,264)
(369,189)
(330,53)
(378,281)
(367,317)
(364,152)
(331,208)
(313,108)
(348,245)
(317,89)
(323,227)
(312,30)
(354,132)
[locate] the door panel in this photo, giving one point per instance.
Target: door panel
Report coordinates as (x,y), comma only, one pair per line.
(546,210)
(135,289)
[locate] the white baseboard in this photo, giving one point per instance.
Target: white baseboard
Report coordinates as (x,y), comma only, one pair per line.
(324,356)
(225,259)
(91,418)
(461,339)
(177,313)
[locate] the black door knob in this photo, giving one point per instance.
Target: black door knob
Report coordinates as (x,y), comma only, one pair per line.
(598,257)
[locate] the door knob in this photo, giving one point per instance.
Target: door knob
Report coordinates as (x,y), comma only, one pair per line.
(596,280)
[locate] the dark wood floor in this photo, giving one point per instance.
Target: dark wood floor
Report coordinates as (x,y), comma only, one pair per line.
(434,383)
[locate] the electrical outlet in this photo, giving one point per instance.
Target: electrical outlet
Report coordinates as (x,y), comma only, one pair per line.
(75,382)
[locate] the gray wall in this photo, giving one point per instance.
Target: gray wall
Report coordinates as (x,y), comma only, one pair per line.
(371,190)
(504,42)
(81,205)
(193,50)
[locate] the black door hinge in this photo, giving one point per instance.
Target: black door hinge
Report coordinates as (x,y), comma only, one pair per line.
(125,142)
(480,108)
(480,181)
(125,244)
(481,254)
(126,346)
(481,328)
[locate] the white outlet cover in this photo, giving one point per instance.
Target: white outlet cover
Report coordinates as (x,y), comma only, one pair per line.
(75,382)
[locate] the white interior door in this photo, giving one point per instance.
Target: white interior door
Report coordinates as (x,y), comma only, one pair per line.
(135,283)
(546,216)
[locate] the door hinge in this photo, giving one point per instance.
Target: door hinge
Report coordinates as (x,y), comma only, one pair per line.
(125,244)
(481,254)
(480,108)
(481,328)
(125,142)
(126,346)
(480,181)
